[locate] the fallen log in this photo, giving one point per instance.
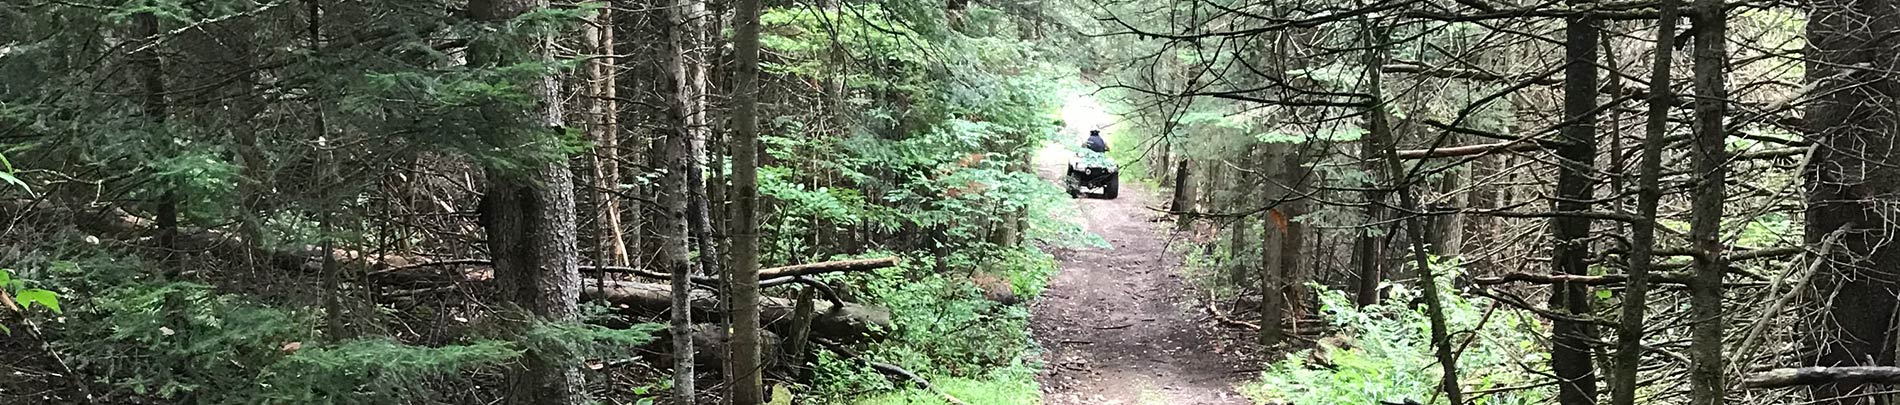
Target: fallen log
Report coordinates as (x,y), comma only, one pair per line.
(769,277)
(383,268)
(848,322)
(836,319)
(827,267)
(1671,278)
(112,222)
(1790,377)
(709,342)
(1468,150)
(1535,278)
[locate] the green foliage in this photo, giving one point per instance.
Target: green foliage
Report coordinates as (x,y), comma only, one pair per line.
(1006,386)
(28,297)
(943,327)
(187,342)
(1391,360)
(200,178)
(580,341)
(25,297)
(372,371)
(948,157)
(927,156)
(1767,230)
(943,136)
(7,176)
(1133,166)
(181,340)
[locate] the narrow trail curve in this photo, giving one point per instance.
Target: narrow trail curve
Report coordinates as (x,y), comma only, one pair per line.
(1120,325)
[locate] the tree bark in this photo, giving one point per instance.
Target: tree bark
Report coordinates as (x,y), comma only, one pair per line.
(1183,195)
(1447,231)
(1292,248)
(610,242)
(800,333)
(846,322)
(1789,377)
(1570,346)
(683,215)
(1710,161)
(1381,137)
(1629,332)
(748,388)
(1273,278)
(690,25)
(152,104)
(1240,230)
(636,226)
(529,215)
(253,158)
(1850,182)
(1159,161)
(1368,248)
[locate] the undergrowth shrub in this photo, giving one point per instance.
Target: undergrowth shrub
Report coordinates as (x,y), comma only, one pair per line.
(133,338)
(374,370)
(1014,385)
(1391,358)
(942,327)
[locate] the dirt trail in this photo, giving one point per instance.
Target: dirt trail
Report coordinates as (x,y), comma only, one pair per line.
(1120,325)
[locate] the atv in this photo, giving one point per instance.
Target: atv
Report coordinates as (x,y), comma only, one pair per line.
(1093,174)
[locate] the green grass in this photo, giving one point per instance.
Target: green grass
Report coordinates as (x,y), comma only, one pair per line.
(998,390)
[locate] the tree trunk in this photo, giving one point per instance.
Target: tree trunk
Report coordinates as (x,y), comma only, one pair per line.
(1272,285)
(1570,350)
(1629,333)
(151,82)
(1273,235)
(1850,183)
(635,226)
(1380,136)
(691,24)
(682,181)
(1710,159)
(686,27)
(1182,195)
(1447,233)
(1294,175)
(1237,241)
(748,388)
(253,161)
(1368,248)
(610,242)
(1202,194)
(1159,161)
(253,184)
(529,215)
(1480,230)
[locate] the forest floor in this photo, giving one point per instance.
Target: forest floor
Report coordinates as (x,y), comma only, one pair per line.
(1121,325)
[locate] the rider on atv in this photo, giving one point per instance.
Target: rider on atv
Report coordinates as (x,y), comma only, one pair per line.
(1093,170)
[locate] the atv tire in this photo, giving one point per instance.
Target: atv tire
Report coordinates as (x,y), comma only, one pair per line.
(1112,187)
(1071,183)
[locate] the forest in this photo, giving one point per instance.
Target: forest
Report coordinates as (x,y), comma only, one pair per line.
(1485,202)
